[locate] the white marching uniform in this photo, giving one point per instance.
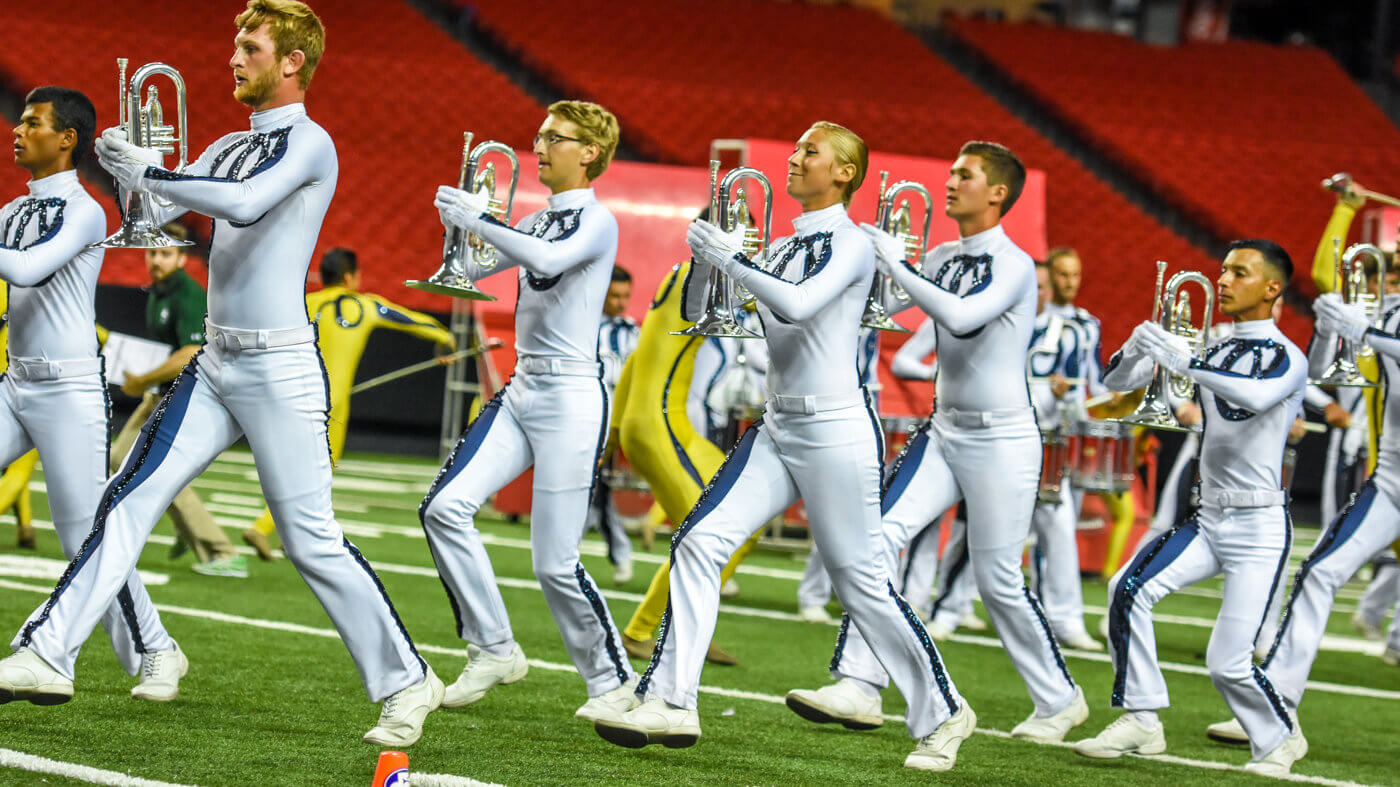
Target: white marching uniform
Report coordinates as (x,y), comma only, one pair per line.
(54,396)
(1250,388)
(552,415)
(727,371)
(260,375)
(1066,346)
(982,446)
(617,338)
(1370,523)
(818,440)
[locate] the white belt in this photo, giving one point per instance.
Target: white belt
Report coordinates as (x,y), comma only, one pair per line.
(559,367)
(1244,498)
(37,369)
(983,419)
(236,339)
(814,403)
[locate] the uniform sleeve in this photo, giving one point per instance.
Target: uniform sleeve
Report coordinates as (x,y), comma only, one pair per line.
(1284,379)
(1324,263)
(908,362)
(964,314)
(306,157)
(30,266)
(1316,397)
(852,259)
(164,211)
(391,315)
(1128,371)
(595,235)
(694,290)
(189,322)
(1093,366)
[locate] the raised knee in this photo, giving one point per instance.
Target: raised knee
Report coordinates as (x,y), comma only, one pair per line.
(440,512)
(1229,666)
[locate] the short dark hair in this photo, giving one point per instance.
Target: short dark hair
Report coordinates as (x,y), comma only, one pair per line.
(1001,167)
(335,264)
(621,274)
(71,109)
(1273,254)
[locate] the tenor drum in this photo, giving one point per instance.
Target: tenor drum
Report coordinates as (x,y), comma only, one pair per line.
(1053,464)
(1104,460)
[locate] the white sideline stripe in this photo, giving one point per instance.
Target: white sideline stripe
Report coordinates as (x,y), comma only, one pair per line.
(296,628)
(9,758)
(34,567)
(445,780)
(1330,642)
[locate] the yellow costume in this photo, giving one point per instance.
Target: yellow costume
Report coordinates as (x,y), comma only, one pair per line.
(14,486)
(649,422)
(344,321)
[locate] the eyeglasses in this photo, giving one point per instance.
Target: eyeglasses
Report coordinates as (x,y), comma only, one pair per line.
(553,139)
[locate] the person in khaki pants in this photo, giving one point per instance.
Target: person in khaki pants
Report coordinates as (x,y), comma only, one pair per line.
(175,315)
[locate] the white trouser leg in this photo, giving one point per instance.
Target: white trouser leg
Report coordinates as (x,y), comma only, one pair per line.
(280,399)
(491,452)
(181,438)
(1330,466)
(919,569)
(1368,524)
(815,588)
(1055,564)
(998,469)
(1392,634)
(1172,490)
(957,586)
(919,489)
(1380,595)
(751,487)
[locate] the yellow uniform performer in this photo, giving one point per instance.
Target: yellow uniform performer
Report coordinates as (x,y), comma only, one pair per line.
(14,485)
(344,321)
(1324,273)
(649,422)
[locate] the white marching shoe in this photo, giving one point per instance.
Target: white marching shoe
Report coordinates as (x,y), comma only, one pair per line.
(26,676)
(813,614)
(1052,729)
(1279,762)
(1081,640)
(842,702)
(482,672)
(651,722)
(401,718)
(610,704)
(938,751)
(1124,736)
(971,622)
(160,675)
(622,572)
(1366,628)
(1227,732)
(939,630)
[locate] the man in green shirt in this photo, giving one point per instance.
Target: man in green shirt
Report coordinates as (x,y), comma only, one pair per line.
(175,315)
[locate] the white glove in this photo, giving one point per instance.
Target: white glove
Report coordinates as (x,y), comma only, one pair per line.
(1347,320)
(710,245)
(889,250)
(125,161)
(461,209)
(1167,349)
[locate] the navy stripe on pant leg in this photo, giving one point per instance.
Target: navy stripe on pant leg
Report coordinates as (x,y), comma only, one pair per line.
(955,570)
(1271,694)
(620,665)
(383,594)
(719,486)
(681,456)
(841,635)
(940,675)
(1049,635)
(1341,529)
(906,465)
(1149,563)
(1278,572)
(124,601)
(159,434)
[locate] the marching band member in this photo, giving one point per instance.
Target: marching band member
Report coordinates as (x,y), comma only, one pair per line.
(259,375)
(551,414)
(54,395)
(617,338)
(1250,389)
(818,440)
(650,424)
(981,445)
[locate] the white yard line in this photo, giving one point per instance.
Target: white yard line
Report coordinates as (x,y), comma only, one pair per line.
(9,758)
(296,628)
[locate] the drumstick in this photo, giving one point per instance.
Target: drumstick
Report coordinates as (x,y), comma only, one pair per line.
(374,382)
(1314,427)
(1095,401)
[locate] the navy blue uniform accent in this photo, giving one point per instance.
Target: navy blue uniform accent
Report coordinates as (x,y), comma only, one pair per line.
(1261,368)
(939,674)
(905,465)
(1149,563)
(596,602)
(49,213)
(1049,635)
(568,223)
(379,586)
(157,435)
(1275,702)
(841,634)
(681,455)
(817,248)
(269,147)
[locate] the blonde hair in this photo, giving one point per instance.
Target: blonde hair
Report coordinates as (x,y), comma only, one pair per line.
(849,149)
(596,126)
(291,25)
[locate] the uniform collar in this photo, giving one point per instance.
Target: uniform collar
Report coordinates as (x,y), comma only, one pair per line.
(268,119)
(573,198)
(982,241)
(1253,329)
(54,184)
(827,218)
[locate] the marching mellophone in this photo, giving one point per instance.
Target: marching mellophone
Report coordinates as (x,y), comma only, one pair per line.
(145,128)
(729,208)
(1343,372)
(451,278)
(1173,308)
(898,223)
